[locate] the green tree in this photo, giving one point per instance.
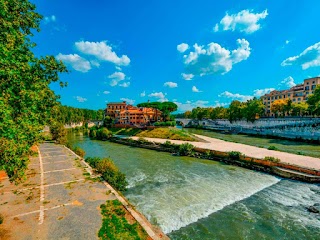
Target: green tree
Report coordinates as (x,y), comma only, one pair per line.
(300,109)
(253,109)
(165,107)
(26,101)
(279,107)
(235,111)
(314,102)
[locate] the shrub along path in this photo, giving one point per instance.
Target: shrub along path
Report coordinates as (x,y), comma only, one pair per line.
(58,201)
(250,151)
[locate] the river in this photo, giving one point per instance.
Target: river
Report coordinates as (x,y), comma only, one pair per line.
(199,199)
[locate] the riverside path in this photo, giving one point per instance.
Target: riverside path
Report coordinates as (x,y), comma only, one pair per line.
(59,199)
(250,151)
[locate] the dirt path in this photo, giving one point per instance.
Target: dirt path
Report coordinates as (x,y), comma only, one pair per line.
(251,151)
(58,201)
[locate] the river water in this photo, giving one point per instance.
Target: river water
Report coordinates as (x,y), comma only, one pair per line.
(200,199)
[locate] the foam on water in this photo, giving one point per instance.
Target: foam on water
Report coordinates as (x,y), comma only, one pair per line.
(185,198)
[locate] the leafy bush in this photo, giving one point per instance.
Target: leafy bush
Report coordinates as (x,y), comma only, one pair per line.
(185,149)
(235,155)
(93,133)
(272,147)
(272,159)
(142,140)
(103,134)
(167,133)
(79,151)
(58,133)
(109,172)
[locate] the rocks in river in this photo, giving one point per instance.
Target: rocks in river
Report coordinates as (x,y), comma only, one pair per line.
(313,209)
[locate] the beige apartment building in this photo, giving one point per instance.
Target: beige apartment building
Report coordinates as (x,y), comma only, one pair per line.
(298,93)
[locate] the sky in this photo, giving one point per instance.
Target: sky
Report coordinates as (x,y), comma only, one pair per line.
(202,53)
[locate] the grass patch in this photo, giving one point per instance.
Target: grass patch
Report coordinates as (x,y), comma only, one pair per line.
(125,131)
(116,226)
(167,133)
(272,147)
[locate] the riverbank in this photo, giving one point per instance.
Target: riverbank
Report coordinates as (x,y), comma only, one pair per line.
(287,165)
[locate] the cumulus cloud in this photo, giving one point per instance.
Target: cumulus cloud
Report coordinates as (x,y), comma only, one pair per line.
(195,89)
(160,95)
(310,57)
(81,99)
(128,100)
(49,19)
(102,51)
(106,92)
(77,63)
(143,94)
(125,84)
(214,59)
(261,92)
(287,41)
(288,82)
(189,105)
(220,104)
(182,47)
(170,84)
(235,96)
(116,77)
(187,76)
(245,21)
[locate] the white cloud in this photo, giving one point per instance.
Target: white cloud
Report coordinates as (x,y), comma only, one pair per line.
(219,104)
(125,84)
(95,63)
(244,21)
(49,19)
(214,59)
(187,76)
(143,94)
(170,84)
(116,77)
(288,82)
(106,92)
(160,95)
(235,96)
(189,105)
(195,89)
(102,51)
(118,68)
(128,100)
(261,92)
(77,63)
(81,99)
(287,41)
(182,47)
(310,57)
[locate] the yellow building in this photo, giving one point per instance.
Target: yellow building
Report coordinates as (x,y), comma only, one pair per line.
(298,93)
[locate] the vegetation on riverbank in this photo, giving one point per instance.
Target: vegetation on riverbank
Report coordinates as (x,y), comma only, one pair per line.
(115,224)
(109,172)
(167,133)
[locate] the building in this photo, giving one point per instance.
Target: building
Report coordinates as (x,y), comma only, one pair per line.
(124,113)
(298,93)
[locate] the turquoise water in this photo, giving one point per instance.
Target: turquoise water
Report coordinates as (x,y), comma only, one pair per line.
(199,199)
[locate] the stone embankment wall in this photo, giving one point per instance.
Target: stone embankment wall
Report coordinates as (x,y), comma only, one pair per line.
(298,173)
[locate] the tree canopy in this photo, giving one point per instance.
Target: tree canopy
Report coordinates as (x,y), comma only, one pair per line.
(314,102)
(26,101)
(165,107)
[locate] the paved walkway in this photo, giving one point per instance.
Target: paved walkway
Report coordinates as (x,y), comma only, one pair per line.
(251,151)
(58,200)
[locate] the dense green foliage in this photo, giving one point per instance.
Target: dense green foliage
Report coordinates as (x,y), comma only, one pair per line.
(115,224)
(100,133)
(314,102)
(167,133)
(165,107)
(272,159)
(26,101)
(185,149)
(58,133)
(67,115)
(234,155)
(109,172)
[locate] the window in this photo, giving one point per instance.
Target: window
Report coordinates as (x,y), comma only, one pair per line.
(289,94)
(294,99)
(313,87)
(307,83)
(299,99)
(276,97)
(306,88)
(268,98)
(313,82)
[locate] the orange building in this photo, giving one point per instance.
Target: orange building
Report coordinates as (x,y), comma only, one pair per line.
(128,114)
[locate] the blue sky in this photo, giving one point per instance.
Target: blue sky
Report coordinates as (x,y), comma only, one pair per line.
(195,53)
